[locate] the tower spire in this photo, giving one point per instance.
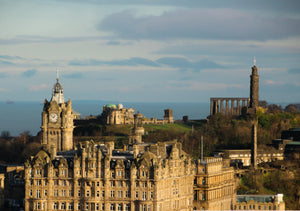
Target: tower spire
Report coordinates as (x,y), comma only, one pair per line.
(254,61)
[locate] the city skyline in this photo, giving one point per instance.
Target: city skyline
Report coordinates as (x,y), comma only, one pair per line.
(158,51)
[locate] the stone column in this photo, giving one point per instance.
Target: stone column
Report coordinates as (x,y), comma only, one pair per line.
(254,145)
(238,112)
(221,106)
(243,103)
(232,107)
(226,111)
(211,106)
(216,106)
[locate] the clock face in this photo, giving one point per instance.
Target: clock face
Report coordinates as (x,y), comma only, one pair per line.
(53,117)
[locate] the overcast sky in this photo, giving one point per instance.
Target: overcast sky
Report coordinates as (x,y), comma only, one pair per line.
(149,51)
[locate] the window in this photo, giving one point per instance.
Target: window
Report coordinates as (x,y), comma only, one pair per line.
(87,193)
(30,192)
(149,207)
(203,181)
(120,184)
(120,194)
(143,207)
(79,194)
(97,206)
(127,207)
(113,174)
(103,207)
(70,207)
(45,192)
(55,193)
(151,195)
(38,194)
(120,207)
(55,206)
(98,193)
(144,196)
(127,194)
(103,194)
(70,193)
(63,206)
(86,206)
(38,182)
(137,194)
(112,183)
(137,184)
(112,206)
(37,206)
(78,206)
(112,194)
(38,171)
(79,184)
(63,192)
(259,207)
(203,197)
(98,184)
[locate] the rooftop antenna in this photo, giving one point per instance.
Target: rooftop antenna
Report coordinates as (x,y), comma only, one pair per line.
(254,61)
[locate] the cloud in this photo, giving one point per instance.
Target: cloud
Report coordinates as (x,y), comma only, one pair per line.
(195,85)
(180,62)
(3,90)
(29,73)
(113,43)
(271,82)
(294,71)
(7,57)
(228,24)
(6,63)
(36,88)
(43,39)
(134,61)
(74,75)
(3,75)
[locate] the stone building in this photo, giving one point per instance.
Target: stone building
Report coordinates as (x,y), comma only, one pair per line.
(214,185)
(95,176)
(260,202)
(117,115)
(242,157)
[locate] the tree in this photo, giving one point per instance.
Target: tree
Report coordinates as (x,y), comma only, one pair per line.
(5,134)
(291,109)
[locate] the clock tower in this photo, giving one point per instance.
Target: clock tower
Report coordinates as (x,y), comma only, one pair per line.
(57,122)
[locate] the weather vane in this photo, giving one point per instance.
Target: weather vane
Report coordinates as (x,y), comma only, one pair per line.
(254,61)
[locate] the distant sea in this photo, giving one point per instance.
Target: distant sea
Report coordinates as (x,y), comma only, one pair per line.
(18,117)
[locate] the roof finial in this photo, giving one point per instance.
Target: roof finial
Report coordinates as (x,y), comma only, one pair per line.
(57,74)
(254,61)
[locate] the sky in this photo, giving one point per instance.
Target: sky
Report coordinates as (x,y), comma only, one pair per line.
(149,50)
